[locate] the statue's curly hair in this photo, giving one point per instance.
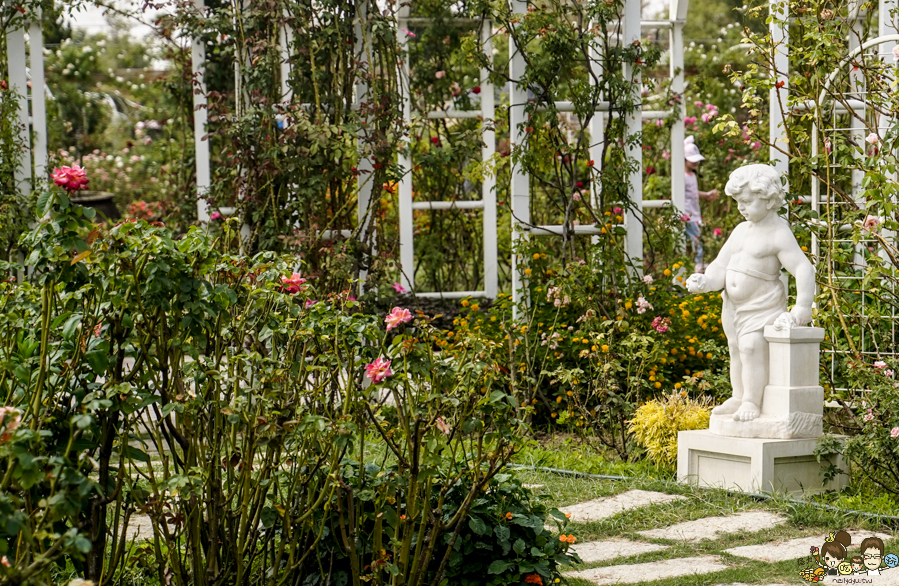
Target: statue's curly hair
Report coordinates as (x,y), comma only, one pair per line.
(763,182)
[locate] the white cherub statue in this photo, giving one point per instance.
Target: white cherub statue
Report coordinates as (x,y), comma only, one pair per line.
(748,269)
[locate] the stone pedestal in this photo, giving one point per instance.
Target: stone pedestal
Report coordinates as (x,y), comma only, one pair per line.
(774,452)
(793,404)
(753,464)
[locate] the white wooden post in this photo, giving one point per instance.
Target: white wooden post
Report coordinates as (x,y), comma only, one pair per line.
(520,187)
(887,26)
(597,133)
(633,244)
(488,185)
(780,36)
(404,195)
(286,42)
(38,97)
(678,16)
(365,166)
(201,145)
(18,82)
(858,128)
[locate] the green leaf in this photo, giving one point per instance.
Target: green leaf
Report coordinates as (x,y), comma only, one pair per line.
(98,361)
(44,201)
(519,546)
(478,526)
(137,454)
(498,567)
(502,533)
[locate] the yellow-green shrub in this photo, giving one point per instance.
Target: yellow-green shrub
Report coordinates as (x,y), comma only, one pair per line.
(656,423)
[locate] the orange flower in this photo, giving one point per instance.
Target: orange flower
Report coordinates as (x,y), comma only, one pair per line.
(533,579)
(568,515)
(509,516)
(572,539)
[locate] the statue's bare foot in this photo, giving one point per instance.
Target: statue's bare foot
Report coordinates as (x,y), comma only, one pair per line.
(747,412)
(727,407)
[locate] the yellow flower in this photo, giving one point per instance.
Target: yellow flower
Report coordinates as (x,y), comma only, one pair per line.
(674,350)
(527,271)
(658,385)
(628,305)
(605,347)
(667,273)
(569,393)
(685,314)
(475,307)
(709,355)
(465,303)
(536,256)
(553,415)
(594,348)
(603,231)
(558,399)
(677,385)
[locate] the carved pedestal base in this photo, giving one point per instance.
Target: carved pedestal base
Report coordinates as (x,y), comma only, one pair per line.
(753,464)
(787,413)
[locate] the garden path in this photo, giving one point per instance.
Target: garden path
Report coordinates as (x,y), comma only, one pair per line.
(692,552)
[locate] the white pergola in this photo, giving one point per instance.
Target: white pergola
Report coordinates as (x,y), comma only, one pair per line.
(23,60)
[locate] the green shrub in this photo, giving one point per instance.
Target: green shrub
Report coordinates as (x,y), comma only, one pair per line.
(506,540)
(226,399)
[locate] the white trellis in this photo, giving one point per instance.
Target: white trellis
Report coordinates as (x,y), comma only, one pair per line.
(487,203)
(520,188)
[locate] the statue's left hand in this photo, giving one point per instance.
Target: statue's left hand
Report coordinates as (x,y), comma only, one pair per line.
(801,315)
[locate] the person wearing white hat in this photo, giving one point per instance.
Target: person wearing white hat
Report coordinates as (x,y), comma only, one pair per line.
(693,216)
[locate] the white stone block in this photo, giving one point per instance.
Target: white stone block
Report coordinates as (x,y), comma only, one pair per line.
(793,356)
(753,464)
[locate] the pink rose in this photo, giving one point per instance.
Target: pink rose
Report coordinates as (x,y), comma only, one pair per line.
(71,178)
(698,104)
(293,283)
(396,317)
(442,425)
(10,418)
(440,74)
(880,364)
(717,232)
(689,119)
(378,370)
(399,288)
(215,216)
(661,324)
(894,432)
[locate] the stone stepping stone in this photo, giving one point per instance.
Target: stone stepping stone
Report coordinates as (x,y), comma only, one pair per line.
(140,528)
(779,551)
(650,571)
(605,507)
(600,551)
(710,527)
